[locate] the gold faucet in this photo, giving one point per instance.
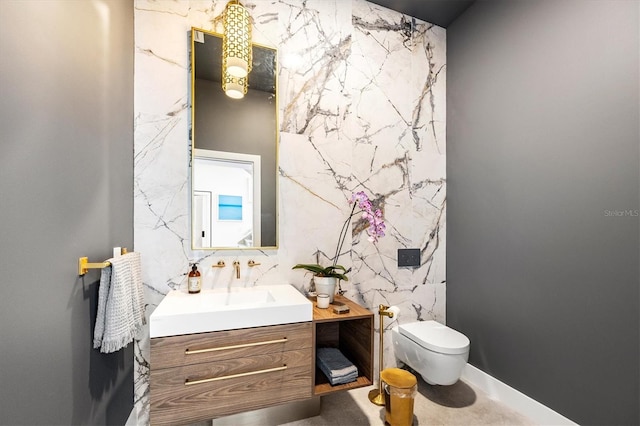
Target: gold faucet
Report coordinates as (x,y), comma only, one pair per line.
(236,266)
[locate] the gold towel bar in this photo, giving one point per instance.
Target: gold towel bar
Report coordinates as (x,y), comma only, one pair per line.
(233,376)
(84,265)
(224,348)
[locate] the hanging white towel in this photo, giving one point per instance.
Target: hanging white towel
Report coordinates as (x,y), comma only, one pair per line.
(120,303)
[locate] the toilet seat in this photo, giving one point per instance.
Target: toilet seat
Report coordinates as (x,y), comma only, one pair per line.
(436,337)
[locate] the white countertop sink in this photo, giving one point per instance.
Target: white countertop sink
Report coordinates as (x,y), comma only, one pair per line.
(228,309)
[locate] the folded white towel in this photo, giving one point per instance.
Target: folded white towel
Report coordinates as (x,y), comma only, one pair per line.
(120,303)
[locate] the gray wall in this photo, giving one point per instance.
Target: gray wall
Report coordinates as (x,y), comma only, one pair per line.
(543,148)
(66,190)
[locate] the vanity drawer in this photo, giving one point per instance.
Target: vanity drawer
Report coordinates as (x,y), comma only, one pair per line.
(222,345)
(203,391)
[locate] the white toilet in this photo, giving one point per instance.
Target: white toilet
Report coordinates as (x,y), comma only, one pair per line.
(437,352)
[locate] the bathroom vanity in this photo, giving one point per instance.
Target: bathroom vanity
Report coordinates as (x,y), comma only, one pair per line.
(352,333)
(197,375)
(201,376)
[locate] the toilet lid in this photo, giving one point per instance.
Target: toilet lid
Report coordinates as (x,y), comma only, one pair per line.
(436,337)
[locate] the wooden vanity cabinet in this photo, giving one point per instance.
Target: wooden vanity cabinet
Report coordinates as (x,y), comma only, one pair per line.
(202,376)
(352,333)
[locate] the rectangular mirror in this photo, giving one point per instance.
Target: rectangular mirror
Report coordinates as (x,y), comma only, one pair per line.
(234,193)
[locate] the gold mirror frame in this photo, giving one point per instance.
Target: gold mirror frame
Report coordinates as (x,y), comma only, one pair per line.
(264,75)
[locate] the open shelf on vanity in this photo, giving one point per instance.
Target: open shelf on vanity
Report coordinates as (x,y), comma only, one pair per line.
(352,333)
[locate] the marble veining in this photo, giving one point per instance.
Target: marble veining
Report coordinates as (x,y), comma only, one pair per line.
(362,106)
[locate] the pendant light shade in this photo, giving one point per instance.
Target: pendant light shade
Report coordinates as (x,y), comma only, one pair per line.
(234,87)
(236,41)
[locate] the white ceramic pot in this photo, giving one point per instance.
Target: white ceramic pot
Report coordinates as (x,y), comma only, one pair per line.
(326,285)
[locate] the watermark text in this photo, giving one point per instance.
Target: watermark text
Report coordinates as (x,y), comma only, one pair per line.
(622,213)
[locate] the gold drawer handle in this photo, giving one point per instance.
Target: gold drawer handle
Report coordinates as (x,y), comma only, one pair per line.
(233,376)
(224,348)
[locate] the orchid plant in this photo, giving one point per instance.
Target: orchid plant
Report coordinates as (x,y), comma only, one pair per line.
(375,229)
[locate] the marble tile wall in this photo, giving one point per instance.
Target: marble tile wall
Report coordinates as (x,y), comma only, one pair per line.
(361,107)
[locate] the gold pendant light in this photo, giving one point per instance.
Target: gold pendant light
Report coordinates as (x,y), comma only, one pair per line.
(236,41)
(234,87)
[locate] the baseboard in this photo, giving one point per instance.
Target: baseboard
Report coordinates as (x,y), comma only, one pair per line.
(496,390)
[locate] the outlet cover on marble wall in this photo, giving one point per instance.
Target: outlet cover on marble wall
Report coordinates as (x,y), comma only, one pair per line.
(409,257)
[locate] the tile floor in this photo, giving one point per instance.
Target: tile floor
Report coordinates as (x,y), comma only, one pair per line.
(459,404)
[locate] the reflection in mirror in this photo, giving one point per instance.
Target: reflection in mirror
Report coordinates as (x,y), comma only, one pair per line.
(226,212)
(234,163)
